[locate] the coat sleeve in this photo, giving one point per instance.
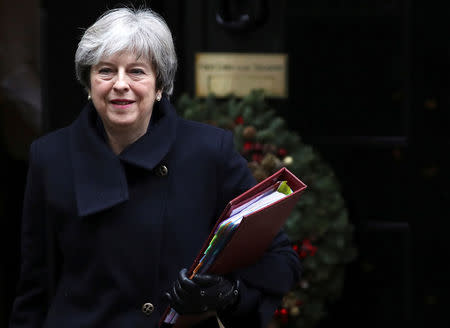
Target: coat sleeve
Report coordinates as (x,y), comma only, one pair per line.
(263,284)
(30,305)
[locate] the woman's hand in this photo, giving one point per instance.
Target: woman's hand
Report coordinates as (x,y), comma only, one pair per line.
(202,293)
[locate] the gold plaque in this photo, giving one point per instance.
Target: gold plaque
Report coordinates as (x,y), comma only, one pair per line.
(239,73)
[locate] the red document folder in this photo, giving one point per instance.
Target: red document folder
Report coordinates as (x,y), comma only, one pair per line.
(253,235)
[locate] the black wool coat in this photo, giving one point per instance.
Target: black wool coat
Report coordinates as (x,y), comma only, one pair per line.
(104,235)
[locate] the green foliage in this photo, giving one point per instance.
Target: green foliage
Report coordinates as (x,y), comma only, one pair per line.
(320,217)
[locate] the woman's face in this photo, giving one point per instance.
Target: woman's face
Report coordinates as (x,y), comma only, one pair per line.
(123,90)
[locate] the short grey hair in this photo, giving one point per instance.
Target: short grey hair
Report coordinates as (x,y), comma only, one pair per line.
(140,31)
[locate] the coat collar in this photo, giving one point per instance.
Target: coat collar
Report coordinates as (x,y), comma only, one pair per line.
(99,178)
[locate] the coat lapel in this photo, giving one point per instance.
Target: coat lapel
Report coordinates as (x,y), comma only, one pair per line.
(99,177)
(148,151)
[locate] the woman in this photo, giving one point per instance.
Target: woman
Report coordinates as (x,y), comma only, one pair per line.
(120,201)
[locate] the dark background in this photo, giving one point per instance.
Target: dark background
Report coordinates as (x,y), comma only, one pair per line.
(368,87)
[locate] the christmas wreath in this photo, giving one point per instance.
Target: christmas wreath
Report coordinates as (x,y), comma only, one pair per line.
(318,226)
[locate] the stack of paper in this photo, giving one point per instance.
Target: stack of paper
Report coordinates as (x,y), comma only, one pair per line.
(225,230)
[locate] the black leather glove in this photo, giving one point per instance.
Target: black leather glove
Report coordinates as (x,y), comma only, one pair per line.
(203,293)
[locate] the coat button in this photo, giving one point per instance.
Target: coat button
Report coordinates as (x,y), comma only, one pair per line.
(162,170)
(148,308)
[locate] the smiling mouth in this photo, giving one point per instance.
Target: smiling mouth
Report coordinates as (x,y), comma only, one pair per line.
(122,102)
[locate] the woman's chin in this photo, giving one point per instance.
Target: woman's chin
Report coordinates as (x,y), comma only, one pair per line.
(123,120)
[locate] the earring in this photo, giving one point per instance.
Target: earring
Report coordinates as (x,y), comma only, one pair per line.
(89,96)
(158,97)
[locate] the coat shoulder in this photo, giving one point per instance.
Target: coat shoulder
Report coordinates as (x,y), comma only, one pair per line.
(52,144)
(202,138)
(199,128)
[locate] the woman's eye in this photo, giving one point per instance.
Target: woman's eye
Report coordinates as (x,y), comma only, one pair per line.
(105,70)
(137,71)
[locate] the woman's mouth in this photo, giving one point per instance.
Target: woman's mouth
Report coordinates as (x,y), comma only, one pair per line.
(122,102)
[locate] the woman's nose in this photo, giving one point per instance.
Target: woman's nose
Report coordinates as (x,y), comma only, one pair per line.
(121,83)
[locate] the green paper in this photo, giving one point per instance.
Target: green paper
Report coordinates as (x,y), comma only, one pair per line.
(284,188)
